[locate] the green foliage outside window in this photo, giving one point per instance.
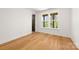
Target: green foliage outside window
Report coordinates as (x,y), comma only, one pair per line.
(45,23)
(54,24)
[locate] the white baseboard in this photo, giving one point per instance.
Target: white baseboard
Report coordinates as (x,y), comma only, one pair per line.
(13,38)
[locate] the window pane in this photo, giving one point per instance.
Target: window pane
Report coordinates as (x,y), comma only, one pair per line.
(53,20)
(45,20)
(45,23)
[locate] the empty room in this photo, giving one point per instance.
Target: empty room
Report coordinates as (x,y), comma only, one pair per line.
(39,28)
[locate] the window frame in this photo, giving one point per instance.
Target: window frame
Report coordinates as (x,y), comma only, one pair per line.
(49,20)
(45,20)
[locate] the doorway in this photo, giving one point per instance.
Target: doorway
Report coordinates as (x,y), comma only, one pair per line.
(33,23)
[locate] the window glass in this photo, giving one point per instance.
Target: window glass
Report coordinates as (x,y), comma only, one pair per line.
(53,20)
(45,20)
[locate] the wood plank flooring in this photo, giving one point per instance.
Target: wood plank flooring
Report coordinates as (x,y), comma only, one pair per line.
(40,41)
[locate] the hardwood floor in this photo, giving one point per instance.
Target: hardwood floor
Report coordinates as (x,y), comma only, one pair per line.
(40,41)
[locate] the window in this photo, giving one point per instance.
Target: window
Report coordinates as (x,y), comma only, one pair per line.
(50,22)
(45,20)
(53,20)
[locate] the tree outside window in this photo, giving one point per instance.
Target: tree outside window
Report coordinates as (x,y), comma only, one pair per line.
(53,23)
(45,20)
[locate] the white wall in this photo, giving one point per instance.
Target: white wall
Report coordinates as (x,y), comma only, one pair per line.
(75,25)
(14,23)
(64,22)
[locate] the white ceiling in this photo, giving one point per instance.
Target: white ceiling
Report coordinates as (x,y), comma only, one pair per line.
(39,9)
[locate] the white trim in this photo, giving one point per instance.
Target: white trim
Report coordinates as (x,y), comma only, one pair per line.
(16,37)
